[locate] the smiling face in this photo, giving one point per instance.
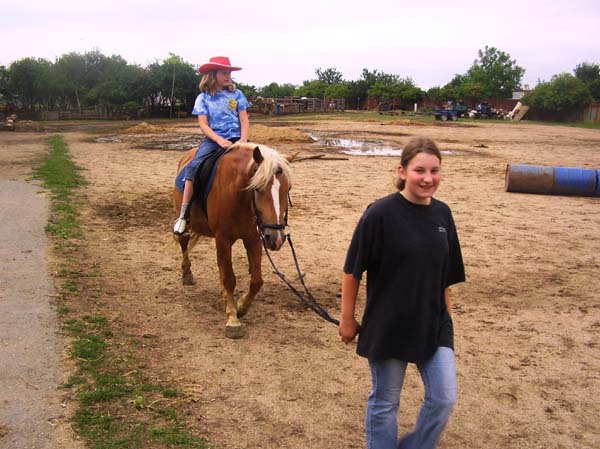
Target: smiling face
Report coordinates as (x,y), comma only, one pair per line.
(422,176)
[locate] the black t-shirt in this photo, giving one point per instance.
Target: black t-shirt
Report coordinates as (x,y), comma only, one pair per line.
(411,253)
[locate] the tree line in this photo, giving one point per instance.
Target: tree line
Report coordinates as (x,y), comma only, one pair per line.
(76,81)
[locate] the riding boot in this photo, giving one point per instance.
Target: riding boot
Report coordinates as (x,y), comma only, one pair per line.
(180,225)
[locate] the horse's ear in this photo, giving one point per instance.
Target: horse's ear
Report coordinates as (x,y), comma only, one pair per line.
(292,157)
(258,158)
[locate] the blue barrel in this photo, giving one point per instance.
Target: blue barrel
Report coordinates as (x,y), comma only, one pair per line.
(526,178)
(552,180)
(575,181)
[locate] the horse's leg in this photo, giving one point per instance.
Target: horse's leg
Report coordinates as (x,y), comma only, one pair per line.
(254,252)
(186,265)
(233,327)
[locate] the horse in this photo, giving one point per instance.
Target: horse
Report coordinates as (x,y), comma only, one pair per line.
(248,200)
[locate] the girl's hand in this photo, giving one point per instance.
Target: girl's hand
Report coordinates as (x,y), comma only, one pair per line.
(348,329)
(224,143)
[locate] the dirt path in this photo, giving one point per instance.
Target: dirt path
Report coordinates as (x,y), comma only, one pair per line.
(31,356)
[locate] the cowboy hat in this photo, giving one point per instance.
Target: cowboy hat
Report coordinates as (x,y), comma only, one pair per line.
(217,63)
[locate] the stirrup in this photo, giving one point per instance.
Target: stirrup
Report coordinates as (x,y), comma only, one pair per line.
(180,226)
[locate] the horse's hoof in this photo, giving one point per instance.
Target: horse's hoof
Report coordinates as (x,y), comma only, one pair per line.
(234,332)
(242,313)
(188,279)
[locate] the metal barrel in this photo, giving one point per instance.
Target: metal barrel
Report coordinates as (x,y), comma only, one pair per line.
(574,181)
(528,178)
(541,179)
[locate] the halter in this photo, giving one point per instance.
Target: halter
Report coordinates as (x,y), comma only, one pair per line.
(260,226)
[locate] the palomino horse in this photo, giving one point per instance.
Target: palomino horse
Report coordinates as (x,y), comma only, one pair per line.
(248,200)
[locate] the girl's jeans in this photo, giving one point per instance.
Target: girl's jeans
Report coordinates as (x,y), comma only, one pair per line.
(381,421)
(207,147)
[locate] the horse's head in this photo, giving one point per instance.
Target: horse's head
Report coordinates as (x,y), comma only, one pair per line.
(270,186)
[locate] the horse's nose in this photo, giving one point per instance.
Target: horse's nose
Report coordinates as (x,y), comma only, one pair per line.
(274,240)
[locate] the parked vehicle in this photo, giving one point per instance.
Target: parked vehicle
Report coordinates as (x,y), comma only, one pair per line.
(461,108)
(446,114)
(484,110)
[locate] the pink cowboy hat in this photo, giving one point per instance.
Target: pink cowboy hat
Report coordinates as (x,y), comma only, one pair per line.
(217,63)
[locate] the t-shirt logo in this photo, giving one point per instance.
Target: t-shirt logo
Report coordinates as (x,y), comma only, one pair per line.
(232,104)
(441,229)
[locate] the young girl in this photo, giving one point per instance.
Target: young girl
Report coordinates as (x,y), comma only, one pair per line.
(408,245)
(223,118)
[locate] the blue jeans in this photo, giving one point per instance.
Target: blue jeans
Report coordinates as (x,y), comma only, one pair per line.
(206,148)
(381,422)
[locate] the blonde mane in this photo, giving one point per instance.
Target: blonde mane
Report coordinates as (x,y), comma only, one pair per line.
(272,162)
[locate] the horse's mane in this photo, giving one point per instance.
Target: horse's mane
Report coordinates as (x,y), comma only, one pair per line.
(272,162)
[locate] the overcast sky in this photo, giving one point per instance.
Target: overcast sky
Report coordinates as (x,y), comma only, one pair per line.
(285,41)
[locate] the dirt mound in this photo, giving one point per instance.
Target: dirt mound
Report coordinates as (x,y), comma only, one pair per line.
(28,125)
(266,134)
(406,122)
(144,128)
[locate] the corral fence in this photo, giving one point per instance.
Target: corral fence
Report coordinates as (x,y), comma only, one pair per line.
(296,105)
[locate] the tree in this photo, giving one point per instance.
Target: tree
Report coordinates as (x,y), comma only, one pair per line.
(590,74)
(28,80)
(248,89)
(391,87)
(338,90)
(329,76)
(3,82)
(312,89)
(587,72)
(275,90)
(70,70)
(563,92)
(493,75)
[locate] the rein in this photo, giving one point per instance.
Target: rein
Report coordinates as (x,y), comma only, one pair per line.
(307,297)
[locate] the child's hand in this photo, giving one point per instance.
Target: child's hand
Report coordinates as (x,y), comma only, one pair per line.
(224,143)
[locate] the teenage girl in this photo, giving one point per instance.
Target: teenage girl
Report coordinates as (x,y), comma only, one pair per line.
(408,245)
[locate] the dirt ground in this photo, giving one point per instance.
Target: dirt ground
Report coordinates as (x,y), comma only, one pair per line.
(527,321)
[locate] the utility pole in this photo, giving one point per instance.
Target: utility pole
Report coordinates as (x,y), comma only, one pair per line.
(172,90)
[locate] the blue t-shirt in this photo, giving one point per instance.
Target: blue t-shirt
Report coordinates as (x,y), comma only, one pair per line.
(222,111)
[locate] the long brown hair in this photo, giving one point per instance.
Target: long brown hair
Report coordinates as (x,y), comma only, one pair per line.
(415,146)
(208,83)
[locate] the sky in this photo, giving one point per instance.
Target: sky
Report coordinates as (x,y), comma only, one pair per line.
(282,41)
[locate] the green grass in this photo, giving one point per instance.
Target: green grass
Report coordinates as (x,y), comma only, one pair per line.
(118,406)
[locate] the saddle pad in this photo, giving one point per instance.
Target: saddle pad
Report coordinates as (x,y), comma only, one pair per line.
(204,178)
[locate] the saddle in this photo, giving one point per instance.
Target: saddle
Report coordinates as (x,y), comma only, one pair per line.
(205,176)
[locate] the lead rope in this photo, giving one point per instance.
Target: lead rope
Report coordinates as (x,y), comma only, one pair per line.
(307,298)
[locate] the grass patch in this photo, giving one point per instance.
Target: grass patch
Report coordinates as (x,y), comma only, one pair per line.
(119,407)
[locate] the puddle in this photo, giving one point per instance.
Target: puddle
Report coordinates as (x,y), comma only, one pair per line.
(152,142)
(357,147)
(107,140)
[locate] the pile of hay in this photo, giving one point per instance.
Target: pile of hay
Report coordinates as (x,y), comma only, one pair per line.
(144,128)
(406,122)
(267,135)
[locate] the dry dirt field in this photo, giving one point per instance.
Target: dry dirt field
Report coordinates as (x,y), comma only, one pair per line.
(527,320)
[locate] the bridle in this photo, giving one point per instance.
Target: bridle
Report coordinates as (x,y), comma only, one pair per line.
(307,297)
(260,225)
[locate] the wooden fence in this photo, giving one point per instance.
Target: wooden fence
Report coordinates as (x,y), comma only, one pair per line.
(296,105)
